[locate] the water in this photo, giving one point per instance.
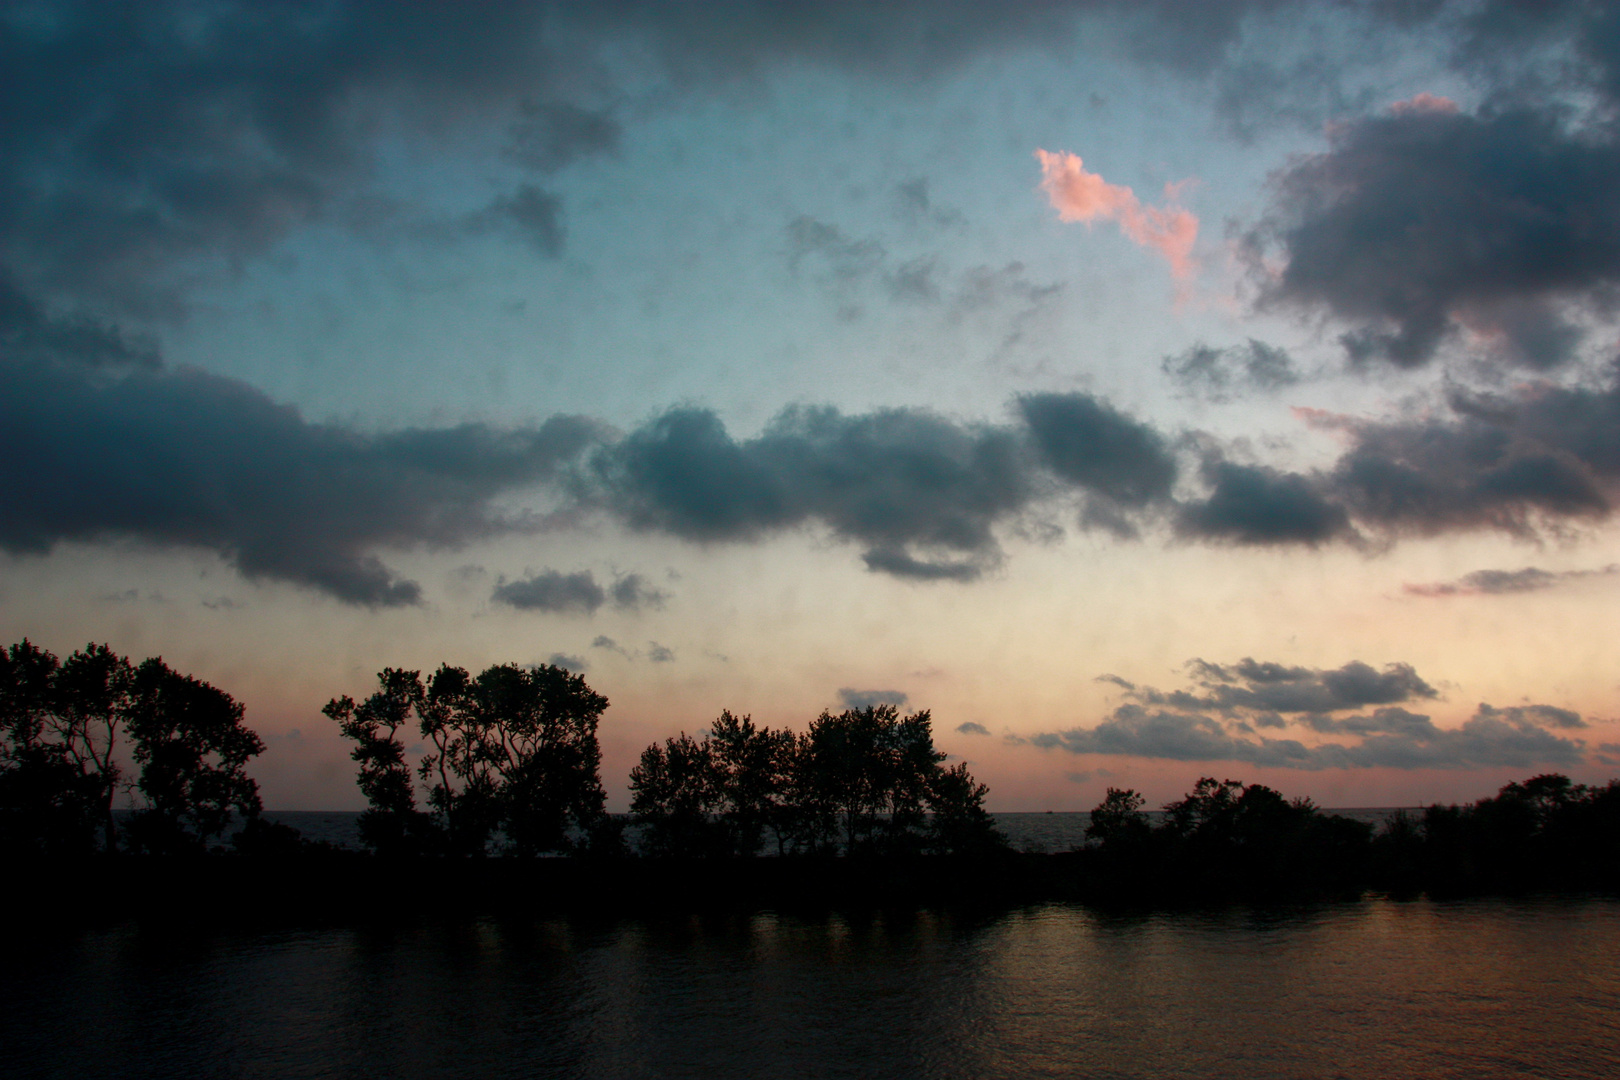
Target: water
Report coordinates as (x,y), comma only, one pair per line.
(1026,832)
(1374,989)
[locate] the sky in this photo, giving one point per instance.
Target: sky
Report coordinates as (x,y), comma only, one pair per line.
(1148,390)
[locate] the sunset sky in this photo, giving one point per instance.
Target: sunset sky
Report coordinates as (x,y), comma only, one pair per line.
(1150,390)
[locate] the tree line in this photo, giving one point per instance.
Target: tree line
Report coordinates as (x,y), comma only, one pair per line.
(505,762)
(1227,839)
(101,754)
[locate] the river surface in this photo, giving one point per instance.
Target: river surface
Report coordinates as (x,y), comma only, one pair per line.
(1376,989)
(1047,833)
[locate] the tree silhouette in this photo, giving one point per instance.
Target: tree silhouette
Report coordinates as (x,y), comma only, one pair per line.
(513,759)
(751,766)
(193,750)
(674,795)
(60,771)
(862,781)
(57,774)
(391,824)
(1118,821)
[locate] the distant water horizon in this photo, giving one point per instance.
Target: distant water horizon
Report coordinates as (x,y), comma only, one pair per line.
(1032,831)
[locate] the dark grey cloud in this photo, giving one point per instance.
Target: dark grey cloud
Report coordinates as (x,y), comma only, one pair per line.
(29,333)
(571,663)
(1094,446)
(1545,455)
(892,480)
(552,590)
(1544,715)
(549,135)
(660,654)
(971,728)
(1257,505)
(916,207)
(865,699)
(896,563)
(179,458)
(528,215)
(140,137)
(1264,687)
(1420,221)
(1386,738)
(1498,582)
(1223,715)
(1219,374)
(186,459)
(632,592)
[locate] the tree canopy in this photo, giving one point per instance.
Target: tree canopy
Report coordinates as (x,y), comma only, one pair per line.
(861,781)
(511,760)
(62,761)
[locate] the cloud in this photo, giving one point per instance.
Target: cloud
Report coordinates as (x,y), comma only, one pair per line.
(1221,716)
(971,728)
(1078,195)
(186,459)
(632,592)
(1217,374)
(1543,455)
(1422,223)
(660,654)
(1099,449)
(1257,505)
(1498,582)
(1266,687)
(551,590)
(548,135)
(1543,715)
(896,563)
(527,214)
(916,206)
(29,333)
(572,663)
(1220,721)
(602,641)
(893,480)
(179,458)
(865,699)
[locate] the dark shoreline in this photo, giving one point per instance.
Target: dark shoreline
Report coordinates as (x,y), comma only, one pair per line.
(342,887)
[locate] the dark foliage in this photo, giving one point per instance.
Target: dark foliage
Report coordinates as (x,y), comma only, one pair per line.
(193,750)
(864,781)
(62,764)
(1224,840)
(1545,832)
(512,764)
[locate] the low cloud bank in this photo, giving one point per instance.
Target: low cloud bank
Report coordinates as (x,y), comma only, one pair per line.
(1315,722)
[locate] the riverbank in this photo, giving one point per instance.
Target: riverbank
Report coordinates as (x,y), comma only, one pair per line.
(343,886)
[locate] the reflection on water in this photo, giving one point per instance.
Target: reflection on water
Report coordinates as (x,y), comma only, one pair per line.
(1378,989)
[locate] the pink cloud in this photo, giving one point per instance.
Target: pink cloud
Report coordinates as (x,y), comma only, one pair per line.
(1078,195)
(1424,103)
